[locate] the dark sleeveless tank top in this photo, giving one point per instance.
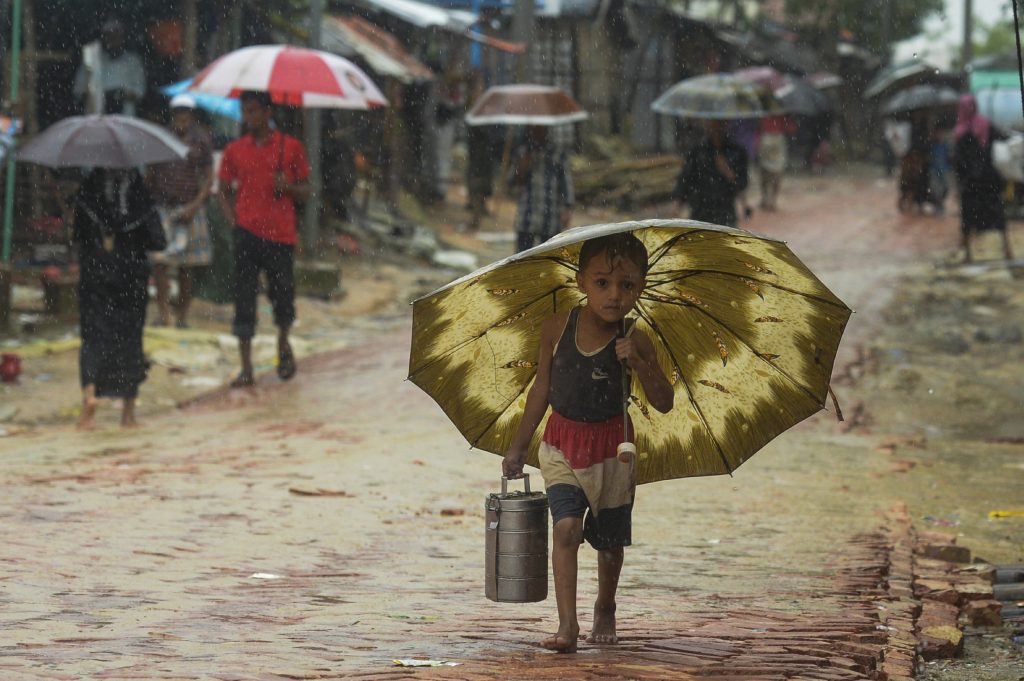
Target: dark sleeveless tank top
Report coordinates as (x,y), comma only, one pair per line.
(585,387)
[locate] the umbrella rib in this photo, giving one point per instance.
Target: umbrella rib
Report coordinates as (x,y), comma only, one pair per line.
(689,393)
(466,342)
(693,273)
(522,389)
(120,145)
(664,248)
(746,344)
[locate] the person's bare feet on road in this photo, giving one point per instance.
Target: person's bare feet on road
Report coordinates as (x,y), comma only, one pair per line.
(128,414)
(87,419)
(603,631)
(565,640)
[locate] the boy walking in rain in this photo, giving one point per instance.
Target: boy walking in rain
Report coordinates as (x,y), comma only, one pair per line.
(265,172)
(583,354)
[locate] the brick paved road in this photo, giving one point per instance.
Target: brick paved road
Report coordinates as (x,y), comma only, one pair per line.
(193,548)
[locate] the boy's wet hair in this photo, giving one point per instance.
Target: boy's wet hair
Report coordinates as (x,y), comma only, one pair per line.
(621,245)
(259,96)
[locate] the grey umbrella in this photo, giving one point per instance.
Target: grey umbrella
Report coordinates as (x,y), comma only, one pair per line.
(797,96)
(906,73)
(920,97)
(102,141)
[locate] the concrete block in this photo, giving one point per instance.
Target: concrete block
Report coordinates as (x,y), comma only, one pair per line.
(941,643)
(947,552)
(317,279)
(984,613)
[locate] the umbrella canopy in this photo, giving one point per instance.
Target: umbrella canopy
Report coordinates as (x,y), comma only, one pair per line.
(102,141)
(292,75)
(824,80)
(525,105)
(798,96)
(717,96)
(765,76)
(907,73)
(745,331)
(222,106)
(920,97)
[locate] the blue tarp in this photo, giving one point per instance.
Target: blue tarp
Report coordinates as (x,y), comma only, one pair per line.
(221,106)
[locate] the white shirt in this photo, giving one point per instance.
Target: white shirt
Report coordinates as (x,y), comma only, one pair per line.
(99,73)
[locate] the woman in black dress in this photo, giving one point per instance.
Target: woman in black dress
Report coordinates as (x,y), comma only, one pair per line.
(116,223)
(981,201)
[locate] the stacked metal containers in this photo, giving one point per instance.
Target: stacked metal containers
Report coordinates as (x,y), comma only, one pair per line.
(516,545)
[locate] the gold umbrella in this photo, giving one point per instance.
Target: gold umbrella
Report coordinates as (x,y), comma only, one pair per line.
(745,331)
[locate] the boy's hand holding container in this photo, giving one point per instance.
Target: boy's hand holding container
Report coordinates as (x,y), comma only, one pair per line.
(512,464)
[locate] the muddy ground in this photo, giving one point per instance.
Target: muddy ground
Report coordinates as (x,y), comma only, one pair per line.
(145,554)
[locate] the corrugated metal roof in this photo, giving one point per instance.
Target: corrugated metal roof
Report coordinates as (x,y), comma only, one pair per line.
(382,52)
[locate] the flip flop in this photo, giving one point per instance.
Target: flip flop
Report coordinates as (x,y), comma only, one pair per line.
(286,365)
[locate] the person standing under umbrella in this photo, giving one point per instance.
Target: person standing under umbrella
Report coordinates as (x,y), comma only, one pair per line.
(111,78)
(773,157)
(714,173)
(262,175)
(181,189)
(546,200)
(116,223)
(981,205)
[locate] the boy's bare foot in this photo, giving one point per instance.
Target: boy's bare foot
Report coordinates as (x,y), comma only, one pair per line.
(565,640)
(87,419)
(128,414)
(603,631)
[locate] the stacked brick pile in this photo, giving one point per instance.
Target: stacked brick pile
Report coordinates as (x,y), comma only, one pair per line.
(953,592)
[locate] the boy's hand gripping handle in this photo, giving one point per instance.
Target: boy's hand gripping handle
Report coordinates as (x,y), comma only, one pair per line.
(525,478)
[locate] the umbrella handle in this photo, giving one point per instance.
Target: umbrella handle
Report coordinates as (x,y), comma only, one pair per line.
(626,456)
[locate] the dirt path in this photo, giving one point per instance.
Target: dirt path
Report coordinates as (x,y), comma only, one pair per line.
(327,526)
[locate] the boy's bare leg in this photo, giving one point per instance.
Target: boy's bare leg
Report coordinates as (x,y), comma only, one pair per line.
(245,378)
(87,419)
(1007,251)
(161,277)
(568,533)
(965,243)
(609,566)
(184,300)
(128,413)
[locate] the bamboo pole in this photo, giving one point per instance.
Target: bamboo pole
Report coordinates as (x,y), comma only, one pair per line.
(15,77)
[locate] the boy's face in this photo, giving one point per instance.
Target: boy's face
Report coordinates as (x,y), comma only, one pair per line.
(612,288)
(255,116)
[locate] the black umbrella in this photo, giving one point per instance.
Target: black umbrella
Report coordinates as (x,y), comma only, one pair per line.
(920,97)
(797,96)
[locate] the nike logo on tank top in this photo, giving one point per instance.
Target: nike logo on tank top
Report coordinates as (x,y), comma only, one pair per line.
(585,386)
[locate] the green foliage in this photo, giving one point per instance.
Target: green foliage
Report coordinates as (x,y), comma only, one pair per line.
(996,39)
(870,21)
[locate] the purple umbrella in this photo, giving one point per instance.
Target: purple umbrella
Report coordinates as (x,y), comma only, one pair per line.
(102,141)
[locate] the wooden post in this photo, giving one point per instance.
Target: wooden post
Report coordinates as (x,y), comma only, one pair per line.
(190,14)
(314,145)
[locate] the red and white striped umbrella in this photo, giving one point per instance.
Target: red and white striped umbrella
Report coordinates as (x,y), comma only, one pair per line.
(294,76)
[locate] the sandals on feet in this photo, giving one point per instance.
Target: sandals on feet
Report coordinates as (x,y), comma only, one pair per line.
(286,365)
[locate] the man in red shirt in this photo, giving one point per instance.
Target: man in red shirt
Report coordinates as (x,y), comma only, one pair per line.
(262,175)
